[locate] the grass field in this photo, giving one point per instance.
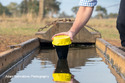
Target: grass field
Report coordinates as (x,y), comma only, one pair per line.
(14,31)
(107,27)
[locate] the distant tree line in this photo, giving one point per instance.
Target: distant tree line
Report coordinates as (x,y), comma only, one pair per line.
(46,8)
(101,12)
(4,10)
(51,7)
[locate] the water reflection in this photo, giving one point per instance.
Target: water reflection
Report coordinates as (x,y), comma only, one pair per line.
(62,73)
(83,65)
(76,56)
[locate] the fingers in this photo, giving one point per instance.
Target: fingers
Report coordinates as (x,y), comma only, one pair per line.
(70,34)
(71,38)
(62,33)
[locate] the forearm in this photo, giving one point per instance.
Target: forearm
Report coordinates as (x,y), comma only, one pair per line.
(82,17)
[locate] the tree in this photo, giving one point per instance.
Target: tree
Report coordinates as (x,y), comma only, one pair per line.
(4,10)
(30,6)
(101,11)
(36,7)
(51,7)
(24,7)
(75,9)
(41,9)
(1,9)
(13,8)
(113,15)
(64,15)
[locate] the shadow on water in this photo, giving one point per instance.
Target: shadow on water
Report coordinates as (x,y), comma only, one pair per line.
(83,64)
(76,56)
(62,73)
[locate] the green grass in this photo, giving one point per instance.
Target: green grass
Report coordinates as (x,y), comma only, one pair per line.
(109,33)
(107,28)
(16,28)
(18,31)
(20,26)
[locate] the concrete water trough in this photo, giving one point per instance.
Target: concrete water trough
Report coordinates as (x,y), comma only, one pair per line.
(112,56)
(86,34)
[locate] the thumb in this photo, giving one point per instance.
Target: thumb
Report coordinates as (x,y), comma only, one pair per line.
(71,38)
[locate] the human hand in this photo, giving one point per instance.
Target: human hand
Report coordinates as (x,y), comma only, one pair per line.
(69,33)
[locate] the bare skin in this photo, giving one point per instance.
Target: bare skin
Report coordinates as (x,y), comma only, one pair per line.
(82,17)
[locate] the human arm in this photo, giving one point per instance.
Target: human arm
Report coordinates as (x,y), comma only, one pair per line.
(83,15)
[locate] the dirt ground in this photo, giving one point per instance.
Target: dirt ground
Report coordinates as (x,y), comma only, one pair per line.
(6,42)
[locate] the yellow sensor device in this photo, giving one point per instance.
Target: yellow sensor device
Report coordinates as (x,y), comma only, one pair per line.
(61,44)
(62,77)
(61,40)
